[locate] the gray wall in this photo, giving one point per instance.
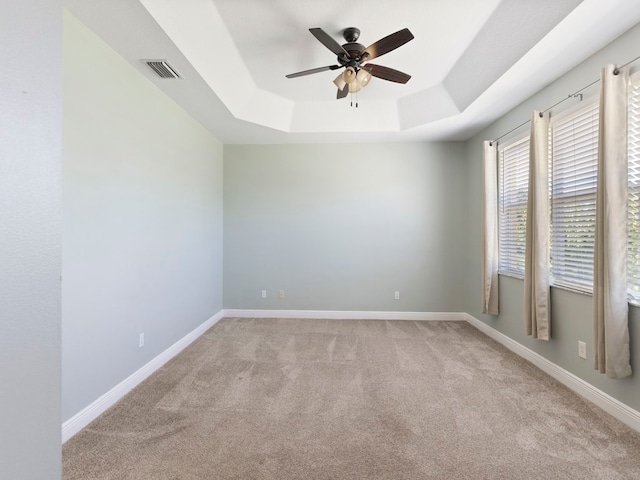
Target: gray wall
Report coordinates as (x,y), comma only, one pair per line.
(30,230)
(571,313)
(341,227)
(142,233)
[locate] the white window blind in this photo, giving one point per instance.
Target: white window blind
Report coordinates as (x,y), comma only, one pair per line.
(573,150)
(574,155)
(633,259)
(512,185)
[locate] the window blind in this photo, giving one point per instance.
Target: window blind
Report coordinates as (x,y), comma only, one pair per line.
(513,180)
(574,155)
(573,150)
(633,221)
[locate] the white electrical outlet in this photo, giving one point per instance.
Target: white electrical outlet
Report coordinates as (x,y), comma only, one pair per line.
(281,294)
(264,294)
(141,340)
(582,349)
(397,295)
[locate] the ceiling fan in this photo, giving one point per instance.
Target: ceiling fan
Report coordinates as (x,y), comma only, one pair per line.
(354,58)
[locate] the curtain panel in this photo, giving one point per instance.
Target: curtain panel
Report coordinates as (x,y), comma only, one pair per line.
(610,307)
(536,267)
(490,229)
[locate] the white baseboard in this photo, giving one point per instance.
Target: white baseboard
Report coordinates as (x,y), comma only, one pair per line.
(347,315)
(99,406)
(613,407)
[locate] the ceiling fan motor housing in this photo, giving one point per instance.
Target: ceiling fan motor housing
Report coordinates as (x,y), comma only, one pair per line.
(354,49)
(355,53)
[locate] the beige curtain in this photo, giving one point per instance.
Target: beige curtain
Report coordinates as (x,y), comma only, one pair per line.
(490,229)
(536,264)
(610,307)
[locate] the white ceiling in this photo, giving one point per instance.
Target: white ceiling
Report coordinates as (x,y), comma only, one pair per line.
(471,60)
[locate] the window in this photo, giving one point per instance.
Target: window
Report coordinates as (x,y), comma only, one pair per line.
(513,174)
(573,157)
(633,222)
(574,154)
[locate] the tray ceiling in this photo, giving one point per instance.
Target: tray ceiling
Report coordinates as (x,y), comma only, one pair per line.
(470,61)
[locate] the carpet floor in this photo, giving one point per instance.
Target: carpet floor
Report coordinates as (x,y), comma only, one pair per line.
(367,399)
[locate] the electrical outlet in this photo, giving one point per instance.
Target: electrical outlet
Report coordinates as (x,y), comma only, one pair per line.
(281,294)
(264,294)
(141,340)
(397,295)
(582,349)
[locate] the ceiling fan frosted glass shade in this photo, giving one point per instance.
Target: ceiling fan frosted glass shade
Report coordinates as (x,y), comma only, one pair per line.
(339,82)
(354,86)
(349,75)
(363,77)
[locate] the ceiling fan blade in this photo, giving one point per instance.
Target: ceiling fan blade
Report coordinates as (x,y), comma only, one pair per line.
(328,42)
(386,73)
(313,70)
(388,43)
(343,93)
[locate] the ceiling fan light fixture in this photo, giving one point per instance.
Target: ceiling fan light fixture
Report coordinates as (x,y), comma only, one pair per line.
(363,77)
(355,86)
(339,82)
(349,75)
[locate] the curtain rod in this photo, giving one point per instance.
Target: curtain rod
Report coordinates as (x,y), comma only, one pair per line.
(571,95)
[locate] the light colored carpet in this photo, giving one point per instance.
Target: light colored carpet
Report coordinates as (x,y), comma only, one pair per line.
(331,399)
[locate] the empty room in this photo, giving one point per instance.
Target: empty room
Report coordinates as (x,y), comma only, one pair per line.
(282,240)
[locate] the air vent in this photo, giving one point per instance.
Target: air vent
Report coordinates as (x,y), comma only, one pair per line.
(162,68)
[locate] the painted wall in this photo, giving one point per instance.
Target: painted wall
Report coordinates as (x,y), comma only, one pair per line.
(571,313)
(30,238)
(142,233)
(342,227)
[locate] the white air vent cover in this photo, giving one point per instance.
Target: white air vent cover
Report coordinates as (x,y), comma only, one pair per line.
(162,68)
